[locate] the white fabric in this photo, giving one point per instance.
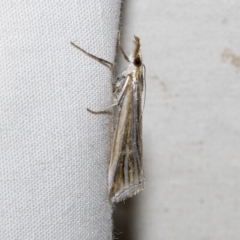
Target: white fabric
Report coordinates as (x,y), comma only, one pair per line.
(53,153)
(191,122)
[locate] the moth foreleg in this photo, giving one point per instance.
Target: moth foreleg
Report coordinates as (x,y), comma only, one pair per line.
(120,47)
(102,61)
(104,111)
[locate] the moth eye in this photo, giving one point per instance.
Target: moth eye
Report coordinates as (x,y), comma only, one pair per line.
(137,62)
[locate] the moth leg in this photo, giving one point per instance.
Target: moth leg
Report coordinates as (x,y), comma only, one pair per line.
(102,61)
(120,47)
(104,110)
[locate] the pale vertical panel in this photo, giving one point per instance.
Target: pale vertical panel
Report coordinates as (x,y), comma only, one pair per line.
(191,121)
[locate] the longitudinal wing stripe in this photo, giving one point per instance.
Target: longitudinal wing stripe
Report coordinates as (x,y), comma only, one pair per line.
(119,143)
(126,166)
(135,130)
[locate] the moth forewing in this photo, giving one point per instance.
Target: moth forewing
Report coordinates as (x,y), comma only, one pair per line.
(126,176)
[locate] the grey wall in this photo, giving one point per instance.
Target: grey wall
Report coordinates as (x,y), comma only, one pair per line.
(191,123)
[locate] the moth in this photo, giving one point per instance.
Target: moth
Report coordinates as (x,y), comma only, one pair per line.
(125,174)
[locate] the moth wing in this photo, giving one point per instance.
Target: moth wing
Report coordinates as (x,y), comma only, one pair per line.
(126,176)
(143,81)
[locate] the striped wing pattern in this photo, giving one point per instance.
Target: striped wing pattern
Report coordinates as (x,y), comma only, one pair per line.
(125,169)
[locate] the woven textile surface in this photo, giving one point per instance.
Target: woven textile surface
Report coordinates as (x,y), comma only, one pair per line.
(54,154)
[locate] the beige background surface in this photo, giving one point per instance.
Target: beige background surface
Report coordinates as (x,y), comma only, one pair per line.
(191,121)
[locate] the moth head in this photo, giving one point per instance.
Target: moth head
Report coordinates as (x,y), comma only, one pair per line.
(137,58)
